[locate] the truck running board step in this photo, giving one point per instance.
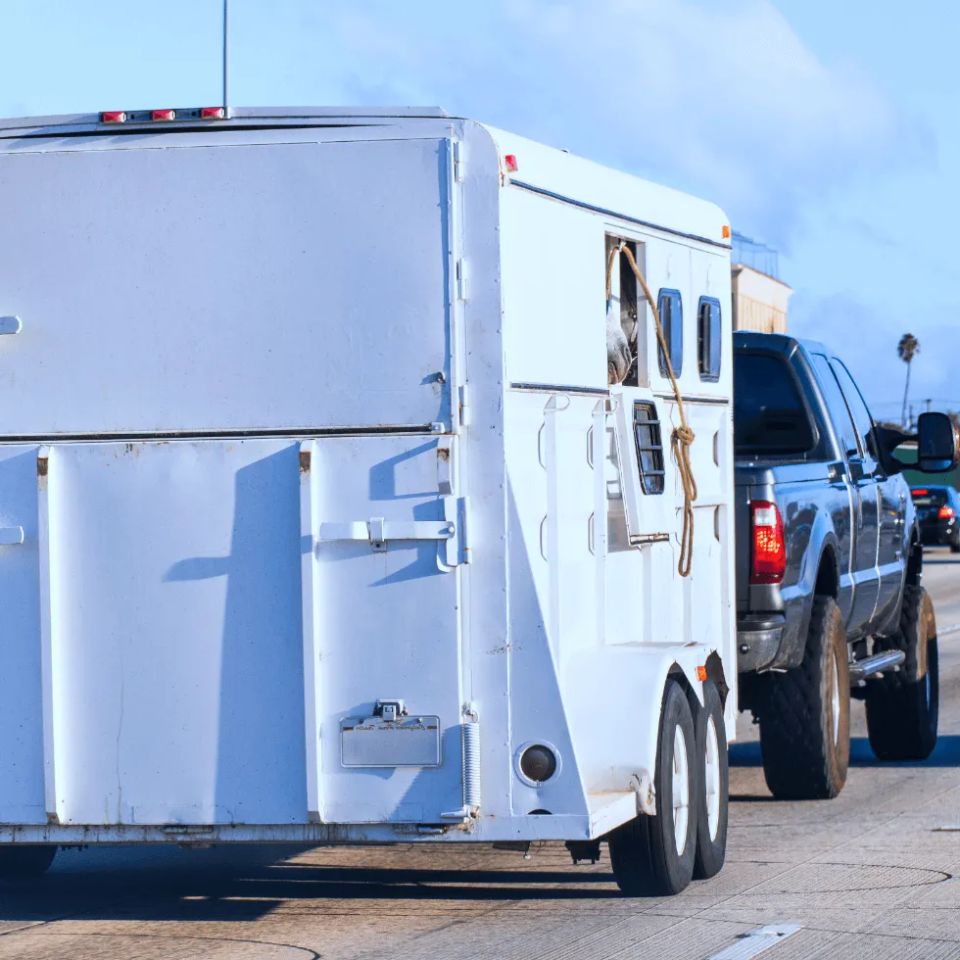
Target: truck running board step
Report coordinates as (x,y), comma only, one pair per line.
(878,663)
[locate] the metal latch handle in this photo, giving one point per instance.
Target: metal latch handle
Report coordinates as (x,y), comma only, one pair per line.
(378,532)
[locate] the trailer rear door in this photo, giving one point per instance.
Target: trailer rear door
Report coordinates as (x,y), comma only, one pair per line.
(278,286)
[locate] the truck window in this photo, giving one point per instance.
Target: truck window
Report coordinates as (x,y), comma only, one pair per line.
(837,405)
(708,338)
(769,413)
(670,306)
(858,408)
(646,430)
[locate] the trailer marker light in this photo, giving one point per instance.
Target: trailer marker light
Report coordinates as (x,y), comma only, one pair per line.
(510,163)
(163,115)
(113,116)
(768,561)
(702,674)
(538,763)
(725,231)
(212,113)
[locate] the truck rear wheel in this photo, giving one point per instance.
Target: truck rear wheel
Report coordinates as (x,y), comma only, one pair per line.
(903,708)
(654,856)
(714,787)
(805,714)
(23,861)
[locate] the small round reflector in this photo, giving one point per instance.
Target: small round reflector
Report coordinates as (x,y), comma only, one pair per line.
(510,162)
(212,113)
(163,115)
(538,763)
(113,116)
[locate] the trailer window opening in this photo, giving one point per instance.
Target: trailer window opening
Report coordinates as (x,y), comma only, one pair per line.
(646,431)
(632,308)
(670,307)
(708,338)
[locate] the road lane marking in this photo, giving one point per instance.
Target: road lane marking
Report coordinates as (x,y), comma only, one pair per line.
(953,628)
(755,942)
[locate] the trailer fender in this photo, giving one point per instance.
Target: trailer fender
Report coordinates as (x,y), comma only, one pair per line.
(616,698)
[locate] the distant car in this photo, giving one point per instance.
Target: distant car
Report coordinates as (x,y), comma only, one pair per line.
(938,510)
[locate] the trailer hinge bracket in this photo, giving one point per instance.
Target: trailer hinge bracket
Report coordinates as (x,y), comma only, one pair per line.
(462,275)
(458,161)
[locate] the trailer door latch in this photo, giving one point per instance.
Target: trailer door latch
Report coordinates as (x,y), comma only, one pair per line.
(378,532)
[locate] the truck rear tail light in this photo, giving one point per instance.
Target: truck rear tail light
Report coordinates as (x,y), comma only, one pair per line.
(113,116)
(212,113)
(768,561)
(163,114)
(945,512)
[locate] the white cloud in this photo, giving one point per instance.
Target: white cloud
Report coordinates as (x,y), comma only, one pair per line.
(723,99)
(866,337)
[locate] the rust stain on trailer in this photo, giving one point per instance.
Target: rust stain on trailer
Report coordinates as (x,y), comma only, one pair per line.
(42,466)
(443,453)
(304,461)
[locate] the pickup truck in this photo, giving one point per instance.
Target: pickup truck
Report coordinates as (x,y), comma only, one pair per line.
(829,559)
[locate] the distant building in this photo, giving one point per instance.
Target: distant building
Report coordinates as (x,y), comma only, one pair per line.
(759,295)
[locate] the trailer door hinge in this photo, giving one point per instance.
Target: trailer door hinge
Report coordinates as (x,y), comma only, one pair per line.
(464,406)
(462,278)
(458,161)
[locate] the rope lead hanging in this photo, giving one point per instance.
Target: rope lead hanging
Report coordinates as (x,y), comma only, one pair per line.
(682,437)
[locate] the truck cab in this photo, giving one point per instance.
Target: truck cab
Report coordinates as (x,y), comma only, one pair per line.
(828,550)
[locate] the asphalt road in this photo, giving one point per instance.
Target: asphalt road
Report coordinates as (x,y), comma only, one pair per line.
(872,874)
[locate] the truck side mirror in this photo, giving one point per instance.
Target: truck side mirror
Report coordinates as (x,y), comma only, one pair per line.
(937,447)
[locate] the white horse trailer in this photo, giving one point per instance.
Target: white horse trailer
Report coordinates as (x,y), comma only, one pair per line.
(319,518)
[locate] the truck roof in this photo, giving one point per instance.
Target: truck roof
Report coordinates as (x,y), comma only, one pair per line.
(780,342)
(551,172)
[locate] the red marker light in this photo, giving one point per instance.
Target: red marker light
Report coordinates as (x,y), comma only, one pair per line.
(769,559)
(510,162)
(163,115)
(212,113)
(113,116)
(919,493)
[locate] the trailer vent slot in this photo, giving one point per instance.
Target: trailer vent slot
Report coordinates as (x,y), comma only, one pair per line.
(646,430)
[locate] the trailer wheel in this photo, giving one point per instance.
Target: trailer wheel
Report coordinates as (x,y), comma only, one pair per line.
(805,714)
(903,708)
(714,786)
(654,856)
(23,861)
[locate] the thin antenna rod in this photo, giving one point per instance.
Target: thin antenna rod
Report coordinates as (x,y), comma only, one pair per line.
(226,49)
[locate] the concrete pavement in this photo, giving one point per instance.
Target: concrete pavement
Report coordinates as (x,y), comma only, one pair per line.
(871,874)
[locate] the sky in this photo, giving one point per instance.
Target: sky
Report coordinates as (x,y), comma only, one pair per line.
(823,128)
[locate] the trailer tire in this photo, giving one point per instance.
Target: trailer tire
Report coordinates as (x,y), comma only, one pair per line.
(654,856)
(903,708)
(805,714)
(714,786)
(24,861)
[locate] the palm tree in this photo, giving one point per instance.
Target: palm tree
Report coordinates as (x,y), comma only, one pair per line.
(907,349)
